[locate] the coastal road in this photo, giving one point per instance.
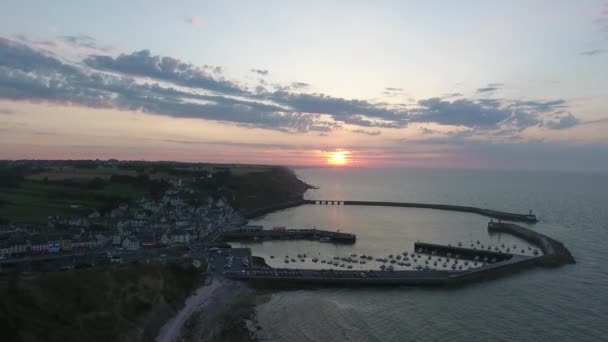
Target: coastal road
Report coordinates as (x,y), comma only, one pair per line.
(171,331)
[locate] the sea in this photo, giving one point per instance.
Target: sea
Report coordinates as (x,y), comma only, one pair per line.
(569,303)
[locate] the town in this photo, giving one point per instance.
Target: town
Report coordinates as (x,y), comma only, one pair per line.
(142,224)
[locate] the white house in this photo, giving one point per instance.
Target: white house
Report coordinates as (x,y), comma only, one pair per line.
(130,243)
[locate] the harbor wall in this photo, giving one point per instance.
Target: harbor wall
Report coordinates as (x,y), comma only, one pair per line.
(501,215)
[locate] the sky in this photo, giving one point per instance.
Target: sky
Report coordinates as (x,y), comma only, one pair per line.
(433,84)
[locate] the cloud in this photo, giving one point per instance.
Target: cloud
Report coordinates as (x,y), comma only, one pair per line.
(86,42)
(142,63)
(299,85)
(427,131)
(491,87)
(193,20)
(5,111)
(262,72)
(452,95)
(362,131)
(593,52)
(167,86)
(393,89)
(563,122)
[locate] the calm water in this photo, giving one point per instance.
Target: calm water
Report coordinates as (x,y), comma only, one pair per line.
(569,303)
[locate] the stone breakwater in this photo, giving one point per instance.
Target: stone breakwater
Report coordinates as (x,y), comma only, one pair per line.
(500,215)
(554,254)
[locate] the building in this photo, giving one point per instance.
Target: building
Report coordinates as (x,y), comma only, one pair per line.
(131,243)
(180,236)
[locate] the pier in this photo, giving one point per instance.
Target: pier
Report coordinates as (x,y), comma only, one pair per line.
(494,264)
(499,215)
(289,234)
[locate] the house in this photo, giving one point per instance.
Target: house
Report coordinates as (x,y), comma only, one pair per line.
(54,245)
(180,236)
(39,245)
(130,243)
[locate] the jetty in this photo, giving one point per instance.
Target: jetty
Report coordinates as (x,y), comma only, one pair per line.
(288,234)
(500,215)
(494,264)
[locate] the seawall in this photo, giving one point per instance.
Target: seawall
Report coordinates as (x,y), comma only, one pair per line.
(501,215)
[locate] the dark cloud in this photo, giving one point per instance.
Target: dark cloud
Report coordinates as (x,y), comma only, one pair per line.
(28,74)
(563,122)
(85,41)
(142,63)
(593,52)
(299,85)
(355,112)
(362,131)
(262,72)
(491,87)
(426,131)
(460,113)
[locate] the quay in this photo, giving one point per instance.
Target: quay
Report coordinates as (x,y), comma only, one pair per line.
(498,264)
(500,215)
(288,234)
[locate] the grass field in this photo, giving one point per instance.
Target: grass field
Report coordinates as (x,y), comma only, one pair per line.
(79,174)
(35,201)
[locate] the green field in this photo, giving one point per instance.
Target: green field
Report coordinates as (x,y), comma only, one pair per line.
(35,201)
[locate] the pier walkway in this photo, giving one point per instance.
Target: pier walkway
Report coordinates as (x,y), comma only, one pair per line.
(288,234)
(500,215)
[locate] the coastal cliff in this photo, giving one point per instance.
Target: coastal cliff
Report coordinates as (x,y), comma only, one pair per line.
(127,303)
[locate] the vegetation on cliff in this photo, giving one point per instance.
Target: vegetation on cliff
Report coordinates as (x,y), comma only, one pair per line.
(127,303)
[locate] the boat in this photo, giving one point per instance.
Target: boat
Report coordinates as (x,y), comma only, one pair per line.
(362,262)
(325,239)
(299,255)
(322,261)
(272,257)
(293,260)
(349,266)
(407,264)
(398,257)
(341,265)
(286,261)
(369,257)
(444,265)
(304,255)
(535,252)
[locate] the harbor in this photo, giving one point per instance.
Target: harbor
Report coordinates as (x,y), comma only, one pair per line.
(426,264)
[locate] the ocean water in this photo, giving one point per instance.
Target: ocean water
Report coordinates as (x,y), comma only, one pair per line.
(564,304)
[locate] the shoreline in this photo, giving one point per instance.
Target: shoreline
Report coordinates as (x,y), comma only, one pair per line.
(219,310)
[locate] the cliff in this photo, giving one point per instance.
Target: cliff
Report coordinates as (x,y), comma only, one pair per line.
(103,304)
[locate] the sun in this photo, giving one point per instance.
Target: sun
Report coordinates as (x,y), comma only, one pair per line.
(337,157)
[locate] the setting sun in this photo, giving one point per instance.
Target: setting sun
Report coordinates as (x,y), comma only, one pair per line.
(337,157)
